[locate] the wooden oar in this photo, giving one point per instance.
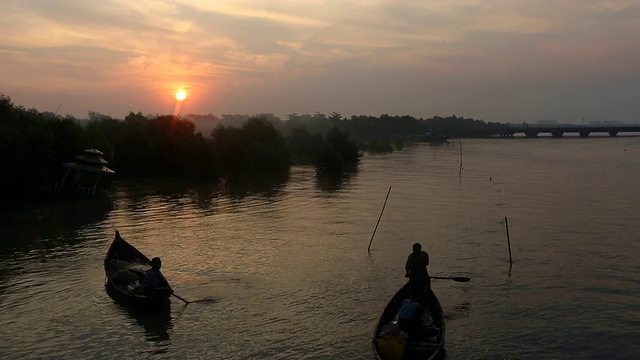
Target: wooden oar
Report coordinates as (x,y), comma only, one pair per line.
(454,278)
(185,301)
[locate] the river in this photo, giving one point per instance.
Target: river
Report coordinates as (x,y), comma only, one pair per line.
(285,265)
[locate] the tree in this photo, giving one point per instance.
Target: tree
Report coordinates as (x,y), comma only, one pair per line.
(339,153)
(305,147)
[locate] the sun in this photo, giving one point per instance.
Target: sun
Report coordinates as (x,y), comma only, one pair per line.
(181,95)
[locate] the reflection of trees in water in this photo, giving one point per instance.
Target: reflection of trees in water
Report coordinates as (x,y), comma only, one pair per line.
(57,222)
(137,196)
(204,197)
(5,275)
(45,231)
(331,181)
(267,185)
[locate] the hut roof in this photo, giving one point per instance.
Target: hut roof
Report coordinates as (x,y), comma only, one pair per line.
(89,168)
(90,161)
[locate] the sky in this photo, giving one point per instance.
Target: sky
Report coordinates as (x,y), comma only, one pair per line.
(495,60)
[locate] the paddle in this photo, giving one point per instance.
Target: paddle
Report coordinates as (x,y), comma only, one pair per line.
(185,301)
(454,278)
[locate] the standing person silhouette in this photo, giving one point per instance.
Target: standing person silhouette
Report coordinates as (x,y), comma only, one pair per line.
(416,271)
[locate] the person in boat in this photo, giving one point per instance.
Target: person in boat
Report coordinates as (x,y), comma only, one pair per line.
(410,316)
(416,271)
(411,319)
(154,282)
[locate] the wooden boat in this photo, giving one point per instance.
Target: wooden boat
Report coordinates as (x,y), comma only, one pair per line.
(125,267)
(388,344)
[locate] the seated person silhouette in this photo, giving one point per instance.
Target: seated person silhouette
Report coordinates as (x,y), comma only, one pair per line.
(154,283)
(410,317)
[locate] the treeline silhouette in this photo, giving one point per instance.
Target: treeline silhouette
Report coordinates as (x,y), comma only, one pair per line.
(373,134)
(34,145)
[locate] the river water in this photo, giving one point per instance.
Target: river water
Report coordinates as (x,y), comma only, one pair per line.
(284,264)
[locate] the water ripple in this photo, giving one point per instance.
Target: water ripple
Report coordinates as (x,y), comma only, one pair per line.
(291,277)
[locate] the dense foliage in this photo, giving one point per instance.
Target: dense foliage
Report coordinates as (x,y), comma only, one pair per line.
(255,148)
(34,145)
(372,134)
(30,143)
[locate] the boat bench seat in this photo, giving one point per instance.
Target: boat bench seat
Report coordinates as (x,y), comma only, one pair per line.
(139,268)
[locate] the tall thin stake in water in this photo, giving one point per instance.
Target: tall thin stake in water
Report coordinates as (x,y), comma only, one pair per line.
(506,223)
(379,217)
(460,172)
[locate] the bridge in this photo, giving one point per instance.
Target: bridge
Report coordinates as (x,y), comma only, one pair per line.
(558,131)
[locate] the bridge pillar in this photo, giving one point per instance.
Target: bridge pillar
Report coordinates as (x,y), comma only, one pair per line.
(613,133)
(557,134)
(531,134)
(584,133)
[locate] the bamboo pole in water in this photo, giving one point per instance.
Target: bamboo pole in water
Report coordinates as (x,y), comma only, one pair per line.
(380,217)
(460,172)
(506,223)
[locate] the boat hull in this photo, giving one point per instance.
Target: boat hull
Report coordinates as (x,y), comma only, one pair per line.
(427,348)
(121,297)
(125,267)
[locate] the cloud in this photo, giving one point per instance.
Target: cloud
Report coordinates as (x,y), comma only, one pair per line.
(359,56)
